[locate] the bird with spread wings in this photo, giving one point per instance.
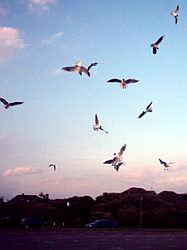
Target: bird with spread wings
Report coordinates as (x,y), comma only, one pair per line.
(175,14)
(123,83)
(79,68)
(9,104)
(155,45)
(148,109)
(116,161)
(97,125)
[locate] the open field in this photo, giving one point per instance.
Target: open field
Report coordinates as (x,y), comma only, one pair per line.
(93,240)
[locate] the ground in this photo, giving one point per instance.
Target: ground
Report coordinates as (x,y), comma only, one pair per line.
(77,239)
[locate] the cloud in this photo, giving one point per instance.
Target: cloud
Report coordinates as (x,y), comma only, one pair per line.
(52,38)
(18,171)
(39,6)
(3,11)
(10,42)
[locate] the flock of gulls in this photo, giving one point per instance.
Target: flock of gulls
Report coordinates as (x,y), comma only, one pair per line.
(116,160)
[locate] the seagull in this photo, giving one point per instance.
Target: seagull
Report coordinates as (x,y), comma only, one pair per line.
(79,68)
(123,83)
(97,125)
(175,13)
(166,165)
(53,165)
(148,109)
(9,104)
(155,45)
(117,159)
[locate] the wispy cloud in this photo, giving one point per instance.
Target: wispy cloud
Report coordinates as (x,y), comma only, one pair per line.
(10,42)
(39,6)
(18,171)
(3,11)
(51,39)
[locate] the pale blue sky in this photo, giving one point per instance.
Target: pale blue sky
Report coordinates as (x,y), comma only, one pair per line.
(55,123)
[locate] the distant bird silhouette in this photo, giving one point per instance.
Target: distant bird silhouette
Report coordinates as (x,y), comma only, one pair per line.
(117,159)
(166,165)
(79,68)
(53,165)
(175,14)
(9,104)
(148,109)
(97,125)
(155,45)
(123,83)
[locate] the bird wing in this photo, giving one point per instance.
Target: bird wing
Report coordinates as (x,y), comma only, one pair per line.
(103,130)
(149,105)
(4,101)
(177,9)
(159,40)
(122,149)
(142,114)
(176,19)
(15,103)
(91,65)
(114,80)
(116,166)
(70,68)
(83,69)
(96,120)
(162,162)
(52,165)
(154,50)
(131,81)
(108,162)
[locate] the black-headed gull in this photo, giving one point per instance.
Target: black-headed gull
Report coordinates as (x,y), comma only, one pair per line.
(155,45)
(166,165)
(123,83)
(175,13)
(117,159)
(148,109)
(53,165)
(9,104)
(97,125)
(79,68)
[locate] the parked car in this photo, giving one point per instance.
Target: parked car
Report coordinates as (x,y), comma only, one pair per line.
(103,223)
(9,221)
(32,222)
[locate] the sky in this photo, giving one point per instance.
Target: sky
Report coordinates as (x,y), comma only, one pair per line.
(54,125)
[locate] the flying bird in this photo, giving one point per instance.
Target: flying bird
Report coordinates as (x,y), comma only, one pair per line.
(9,104)
(175,13)
(123,83)
(79,68)
(116,162)
(53,165)
(166,165)
(97,125)
(148,109)
(155,45)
